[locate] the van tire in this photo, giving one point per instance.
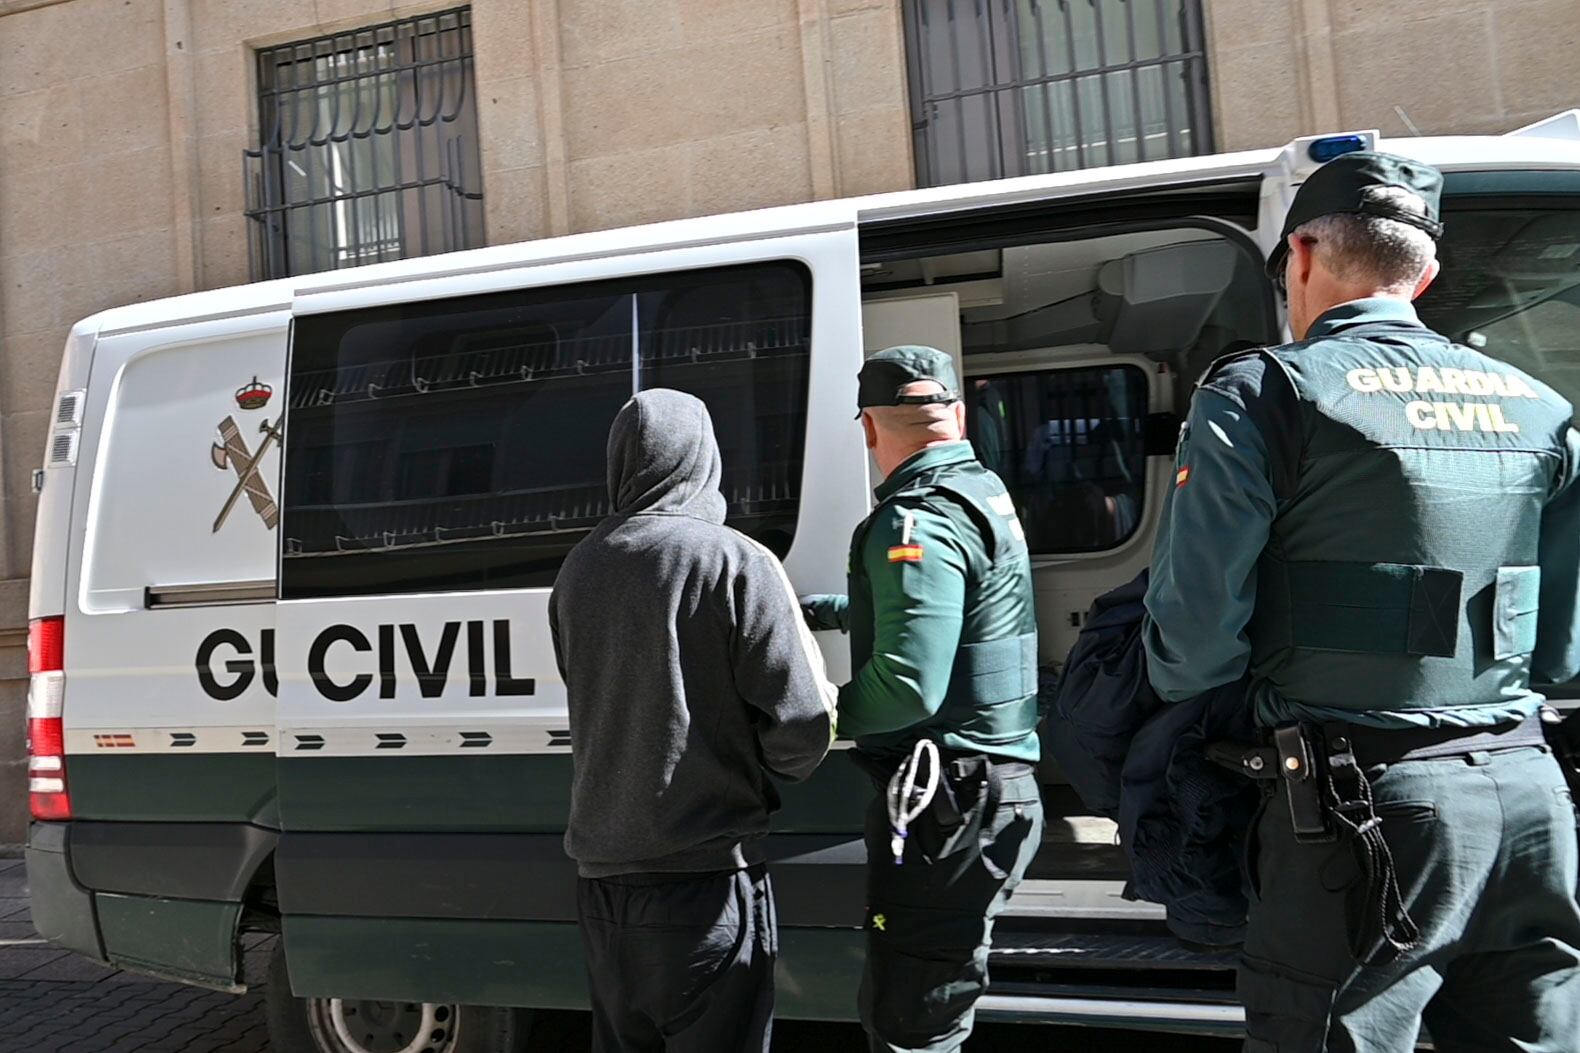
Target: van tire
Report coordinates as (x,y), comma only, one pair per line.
(309,1025)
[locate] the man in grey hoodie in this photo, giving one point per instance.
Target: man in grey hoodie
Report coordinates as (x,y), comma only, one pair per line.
(690,679)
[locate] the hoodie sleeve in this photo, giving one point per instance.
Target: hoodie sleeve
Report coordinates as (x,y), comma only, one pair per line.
(779,670)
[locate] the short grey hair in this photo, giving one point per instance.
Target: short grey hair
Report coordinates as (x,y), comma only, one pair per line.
(1362,248)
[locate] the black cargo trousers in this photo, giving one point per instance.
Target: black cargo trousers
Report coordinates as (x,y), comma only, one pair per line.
(930,920)
(1485,849)
(680,962)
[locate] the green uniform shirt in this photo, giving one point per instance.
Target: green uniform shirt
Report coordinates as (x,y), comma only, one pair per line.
(940,614)
(1374,508)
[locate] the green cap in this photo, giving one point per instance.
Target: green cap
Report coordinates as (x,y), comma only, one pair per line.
(886,373)
(1348,183)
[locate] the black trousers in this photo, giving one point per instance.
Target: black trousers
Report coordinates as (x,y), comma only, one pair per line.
(680,962)
(930,920)
(1487,860)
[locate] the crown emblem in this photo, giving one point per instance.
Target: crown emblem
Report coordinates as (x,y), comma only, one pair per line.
(254,394)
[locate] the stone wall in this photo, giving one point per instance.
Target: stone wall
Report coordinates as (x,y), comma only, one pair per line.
(1282,68)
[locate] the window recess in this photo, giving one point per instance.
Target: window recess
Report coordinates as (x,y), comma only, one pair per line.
(1004,88)
(368,148)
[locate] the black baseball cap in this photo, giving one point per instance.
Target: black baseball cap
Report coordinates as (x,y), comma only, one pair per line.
(886,373)
(1348,183)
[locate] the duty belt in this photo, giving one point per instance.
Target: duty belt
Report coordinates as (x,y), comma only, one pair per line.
(1330,802)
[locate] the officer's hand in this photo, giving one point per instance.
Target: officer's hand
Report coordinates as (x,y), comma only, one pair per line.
(824,611)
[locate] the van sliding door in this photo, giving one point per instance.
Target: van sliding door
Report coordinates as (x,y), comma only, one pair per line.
(445,450)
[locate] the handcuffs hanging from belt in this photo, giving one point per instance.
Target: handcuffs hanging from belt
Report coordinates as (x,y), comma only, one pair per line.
(959,791)
(1330,802)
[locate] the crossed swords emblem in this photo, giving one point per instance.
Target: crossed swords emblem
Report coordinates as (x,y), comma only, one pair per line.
(231,452)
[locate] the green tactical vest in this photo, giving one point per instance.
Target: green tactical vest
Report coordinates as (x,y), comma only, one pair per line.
(991,704)
(1399,583)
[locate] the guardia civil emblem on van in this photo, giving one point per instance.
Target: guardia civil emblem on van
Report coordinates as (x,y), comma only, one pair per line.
(231,452)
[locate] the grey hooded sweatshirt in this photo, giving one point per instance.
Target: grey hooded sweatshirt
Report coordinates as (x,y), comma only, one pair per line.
(689,673)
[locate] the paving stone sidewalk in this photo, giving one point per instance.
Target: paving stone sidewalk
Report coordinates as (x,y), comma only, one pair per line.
(53,1001)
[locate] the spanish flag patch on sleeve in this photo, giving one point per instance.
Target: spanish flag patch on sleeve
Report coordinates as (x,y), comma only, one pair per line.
(1182,477)
(905,554)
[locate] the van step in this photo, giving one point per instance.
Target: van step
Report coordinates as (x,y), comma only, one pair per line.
(1063,950)
(1181,1013)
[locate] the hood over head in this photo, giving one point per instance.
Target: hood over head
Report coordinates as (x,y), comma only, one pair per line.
(663,457)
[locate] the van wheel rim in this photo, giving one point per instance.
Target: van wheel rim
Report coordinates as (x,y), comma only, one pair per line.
(344,1025)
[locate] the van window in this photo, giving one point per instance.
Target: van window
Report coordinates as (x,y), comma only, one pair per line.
(1511,287)
(1070,444)
(459,444)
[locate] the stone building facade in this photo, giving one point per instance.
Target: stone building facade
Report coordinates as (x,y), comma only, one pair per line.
(123,126)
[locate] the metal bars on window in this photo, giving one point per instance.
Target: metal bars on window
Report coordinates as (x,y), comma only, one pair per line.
(368,148)
(1020,87)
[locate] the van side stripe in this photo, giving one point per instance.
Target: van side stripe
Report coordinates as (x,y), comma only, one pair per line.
(541,736)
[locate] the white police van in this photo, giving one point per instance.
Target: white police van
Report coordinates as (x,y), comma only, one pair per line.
(290,665)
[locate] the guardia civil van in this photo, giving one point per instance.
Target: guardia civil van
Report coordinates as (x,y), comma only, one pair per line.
(290,664)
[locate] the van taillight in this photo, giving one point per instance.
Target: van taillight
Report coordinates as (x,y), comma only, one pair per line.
(46,735)
(46,645)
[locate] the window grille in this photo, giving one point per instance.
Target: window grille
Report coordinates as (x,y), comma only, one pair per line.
(368,148)
(1070,445)
(1021,87)
(459,443)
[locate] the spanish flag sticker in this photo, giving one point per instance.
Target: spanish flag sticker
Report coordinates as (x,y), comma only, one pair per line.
(905,554)
(1182,477)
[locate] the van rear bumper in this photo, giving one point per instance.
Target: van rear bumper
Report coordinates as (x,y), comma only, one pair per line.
(62,909)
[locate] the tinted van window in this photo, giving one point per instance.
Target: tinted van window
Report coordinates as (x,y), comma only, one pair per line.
(459,444)
(1070,444)
(1510,286)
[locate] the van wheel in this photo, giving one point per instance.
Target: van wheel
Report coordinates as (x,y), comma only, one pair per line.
(345,1025)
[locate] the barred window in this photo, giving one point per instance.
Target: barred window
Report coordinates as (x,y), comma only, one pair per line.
(459,443)
(1070,444)
(368,148)
(1021,87)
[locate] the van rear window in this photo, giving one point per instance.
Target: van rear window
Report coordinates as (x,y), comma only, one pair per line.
(459,444)
(1070,445)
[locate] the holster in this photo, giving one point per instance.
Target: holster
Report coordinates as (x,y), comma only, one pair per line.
(1305,774)
(1330,802)
(1289,759)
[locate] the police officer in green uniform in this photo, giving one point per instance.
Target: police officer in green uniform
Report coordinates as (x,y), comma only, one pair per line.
(943,641)
(1384,527)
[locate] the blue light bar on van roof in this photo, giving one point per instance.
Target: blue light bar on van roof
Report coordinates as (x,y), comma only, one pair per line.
(1324,150)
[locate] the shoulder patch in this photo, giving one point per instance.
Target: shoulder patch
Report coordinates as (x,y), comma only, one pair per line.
(905,554)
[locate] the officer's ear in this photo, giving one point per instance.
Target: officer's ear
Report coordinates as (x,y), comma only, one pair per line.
(1433,269)
(1302,257)
(960,416)
(871,430)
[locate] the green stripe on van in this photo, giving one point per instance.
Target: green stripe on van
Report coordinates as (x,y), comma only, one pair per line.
(527,963)
(527,793)
(181,788)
